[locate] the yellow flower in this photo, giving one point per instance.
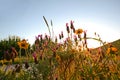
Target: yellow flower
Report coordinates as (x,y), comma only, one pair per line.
(23,44)
(114,49)
(78,31)
(111,50)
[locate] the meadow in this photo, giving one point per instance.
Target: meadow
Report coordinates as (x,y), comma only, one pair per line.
(59,58)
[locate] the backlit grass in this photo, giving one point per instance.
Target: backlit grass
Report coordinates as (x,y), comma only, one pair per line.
(71,59)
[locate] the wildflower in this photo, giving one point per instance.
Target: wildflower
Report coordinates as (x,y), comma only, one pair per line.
(23,44)
(40,36)
(46,37)
(59,36)
(37,37)
(67,28)
(14,51)
(79,31)
(111,50)
(62,34)
(75,38)
(114,49)
(79,36)
(35,57)
(85,34)
(71,26)
(37,42)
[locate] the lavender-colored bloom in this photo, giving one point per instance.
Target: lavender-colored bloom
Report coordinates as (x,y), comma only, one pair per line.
(67,27)
(71,24)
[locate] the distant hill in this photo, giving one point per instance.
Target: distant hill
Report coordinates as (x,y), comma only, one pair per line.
(104,48)
(117,45)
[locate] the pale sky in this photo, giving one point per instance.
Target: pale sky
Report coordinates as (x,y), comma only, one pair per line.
(24,18)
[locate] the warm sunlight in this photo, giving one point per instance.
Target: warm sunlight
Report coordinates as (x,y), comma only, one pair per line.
(106,34)
(59,39)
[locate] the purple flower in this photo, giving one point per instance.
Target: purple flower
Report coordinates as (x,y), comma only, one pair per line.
(35,57)
(67,27)
(71,26)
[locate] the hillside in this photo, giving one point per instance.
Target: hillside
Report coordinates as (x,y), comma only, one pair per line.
(117,45)
(104,48)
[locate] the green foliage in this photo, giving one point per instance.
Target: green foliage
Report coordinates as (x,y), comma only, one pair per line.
(6,44)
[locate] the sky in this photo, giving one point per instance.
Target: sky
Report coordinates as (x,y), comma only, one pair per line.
(24,18)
